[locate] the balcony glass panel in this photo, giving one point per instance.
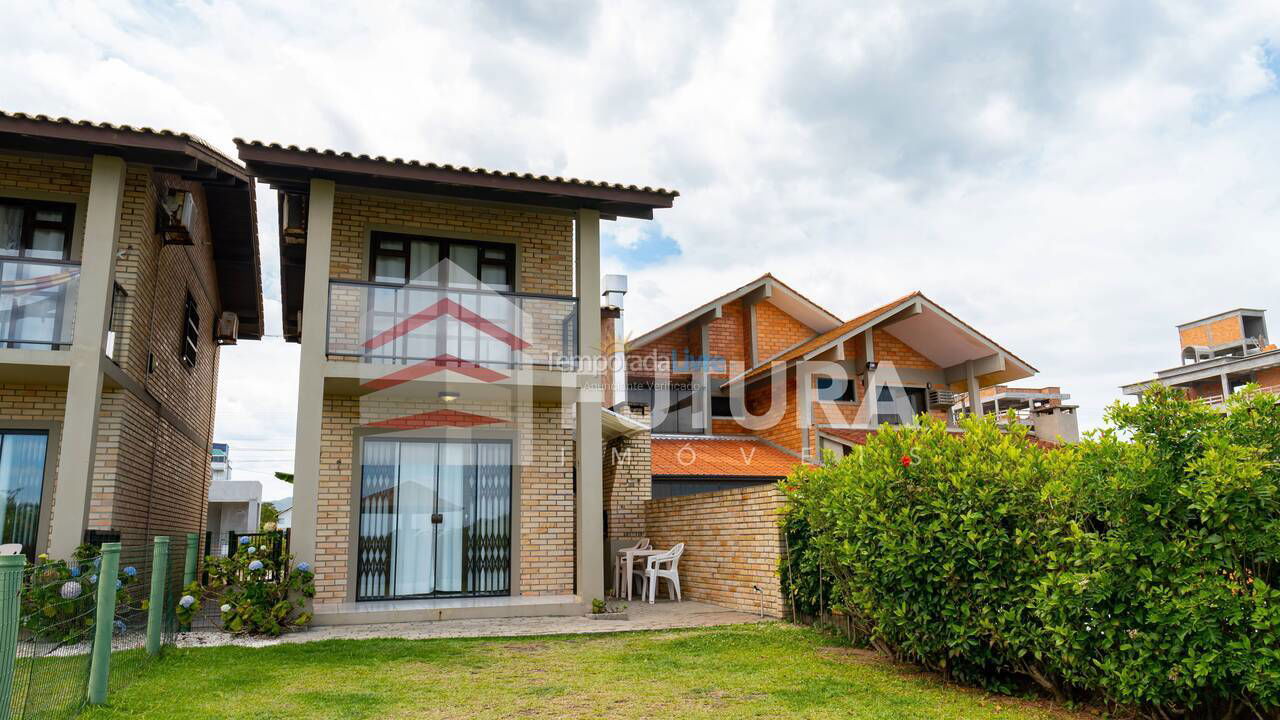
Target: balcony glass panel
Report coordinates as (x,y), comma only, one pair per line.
(407,324)
(37,303)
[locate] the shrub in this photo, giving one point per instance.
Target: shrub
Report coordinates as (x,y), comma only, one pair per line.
(59,596)
(1136,567)
(934,542)
(1164,600)
(258,591)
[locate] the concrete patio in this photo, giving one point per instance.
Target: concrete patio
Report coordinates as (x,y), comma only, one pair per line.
(663,615)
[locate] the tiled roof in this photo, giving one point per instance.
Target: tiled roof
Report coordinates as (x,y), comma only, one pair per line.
(318,152)
(818,341)
(144,130)
(719,456)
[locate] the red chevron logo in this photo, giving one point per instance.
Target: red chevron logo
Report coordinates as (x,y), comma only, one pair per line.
(432,366)
(442,308)
(436,418)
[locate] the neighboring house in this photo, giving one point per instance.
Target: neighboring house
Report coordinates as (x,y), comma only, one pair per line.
(1040,409)
(127,257)
(284,510)
(441,311)
(220,462)
(1220,354)
(816,384)
(235,506)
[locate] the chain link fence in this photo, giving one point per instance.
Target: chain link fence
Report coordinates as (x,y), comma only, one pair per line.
(71,631)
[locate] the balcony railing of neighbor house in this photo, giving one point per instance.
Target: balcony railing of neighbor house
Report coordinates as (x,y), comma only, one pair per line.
(1220,399)
(37,303)
(403,324)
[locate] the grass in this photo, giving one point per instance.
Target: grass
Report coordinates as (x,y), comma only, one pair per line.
(728,672)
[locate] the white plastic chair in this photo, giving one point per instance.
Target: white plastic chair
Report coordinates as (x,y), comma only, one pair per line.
(11,549)
(664,566)
(628,574)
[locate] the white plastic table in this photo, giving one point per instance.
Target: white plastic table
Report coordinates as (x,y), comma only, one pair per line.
(626,557)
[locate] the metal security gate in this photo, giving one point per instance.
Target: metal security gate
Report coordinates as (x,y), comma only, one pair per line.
(435,519)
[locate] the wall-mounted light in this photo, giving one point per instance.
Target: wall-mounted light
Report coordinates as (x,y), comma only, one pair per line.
(448,395)
(872,364)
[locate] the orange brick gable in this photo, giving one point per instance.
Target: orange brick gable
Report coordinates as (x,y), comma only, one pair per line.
(776,330)
(727,457)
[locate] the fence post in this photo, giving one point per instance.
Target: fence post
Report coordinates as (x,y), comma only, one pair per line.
(155,606)
(104,623)
(10,609)
(189,570)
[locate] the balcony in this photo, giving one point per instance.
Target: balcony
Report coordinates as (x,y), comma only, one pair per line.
(37,303)
(431,327)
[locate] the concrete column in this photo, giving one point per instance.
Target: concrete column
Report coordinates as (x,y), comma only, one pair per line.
(702,378)
(872,399)
(315,310)
(975,394)
(1226,386)
(84,379)
(589,458)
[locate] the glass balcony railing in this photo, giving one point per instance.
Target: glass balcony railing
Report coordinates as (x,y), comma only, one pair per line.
(37,303)
(411,324)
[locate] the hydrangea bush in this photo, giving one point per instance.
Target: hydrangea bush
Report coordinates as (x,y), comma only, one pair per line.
(58,598)
(258,591)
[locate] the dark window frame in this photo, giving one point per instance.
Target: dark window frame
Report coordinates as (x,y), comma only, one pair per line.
(43,506)
(725,409)
(30,224)
(189,351)
(849,395)
(444,244)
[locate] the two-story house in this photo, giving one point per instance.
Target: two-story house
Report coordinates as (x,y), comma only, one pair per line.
(127,257)
(1220,354)
(761,378)
(448,456)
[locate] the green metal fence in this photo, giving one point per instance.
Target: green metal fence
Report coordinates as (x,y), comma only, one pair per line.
(74,631)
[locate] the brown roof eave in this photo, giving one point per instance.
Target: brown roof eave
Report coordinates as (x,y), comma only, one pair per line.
(294,167)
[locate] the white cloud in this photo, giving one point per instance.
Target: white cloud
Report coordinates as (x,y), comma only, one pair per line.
(1074,180)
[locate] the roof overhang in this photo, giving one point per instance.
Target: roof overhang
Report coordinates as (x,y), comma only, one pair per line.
(938,335)
(765,287)
(292,168)
(229,190)
(616,425)
(1206,370)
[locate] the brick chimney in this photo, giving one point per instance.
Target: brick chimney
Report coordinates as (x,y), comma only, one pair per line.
(613,340)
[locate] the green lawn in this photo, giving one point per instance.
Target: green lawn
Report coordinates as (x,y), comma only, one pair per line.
(729,672)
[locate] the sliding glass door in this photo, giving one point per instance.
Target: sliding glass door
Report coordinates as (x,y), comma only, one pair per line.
(435,519)
(22,463)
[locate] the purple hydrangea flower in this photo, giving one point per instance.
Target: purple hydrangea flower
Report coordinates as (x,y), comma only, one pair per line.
(225,607)
(187,601)
(304,566)
(75,572)
(252,550)
(93,579)
(131,571)
(255,565)
(119,584)
(70,590)
(244,540)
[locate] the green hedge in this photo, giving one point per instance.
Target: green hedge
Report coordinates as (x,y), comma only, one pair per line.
(1134,568)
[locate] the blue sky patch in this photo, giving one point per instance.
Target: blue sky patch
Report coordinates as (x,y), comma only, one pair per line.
(652,247)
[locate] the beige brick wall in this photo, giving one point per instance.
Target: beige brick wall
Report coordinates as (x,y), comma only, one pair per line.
(627,480)
(732,542)
(148,477)
(545,521)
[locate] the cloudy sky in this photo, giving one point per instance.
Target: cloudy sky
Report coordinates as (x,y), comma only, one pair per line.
(1071,178)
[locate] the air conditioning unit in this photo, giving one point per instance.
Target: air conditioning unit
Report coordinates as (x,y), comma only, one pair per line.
(228,328)
(294,217)
(942,398)
(177,217)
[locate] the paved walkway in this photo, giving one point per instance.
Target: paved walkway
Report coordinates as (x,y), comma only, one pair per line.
(640,616)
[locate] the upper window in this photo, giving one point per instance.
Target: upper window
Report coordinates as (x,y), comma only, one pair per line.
(721,407)
(677,401)
(835,390)
(416,260)
(900,405)
(35,229)
(190,332)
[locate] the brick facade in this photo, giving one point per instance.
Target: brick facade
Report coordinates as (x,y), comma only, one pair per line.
(627,480)
(150,475)
(733,543)
(543,473)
